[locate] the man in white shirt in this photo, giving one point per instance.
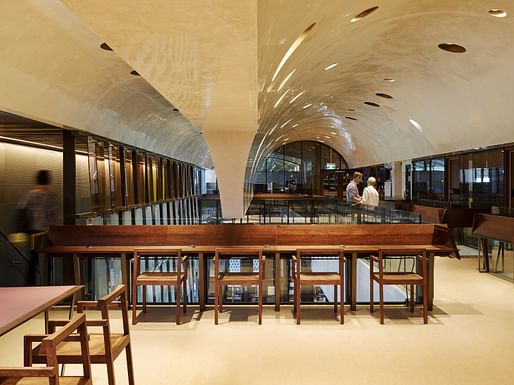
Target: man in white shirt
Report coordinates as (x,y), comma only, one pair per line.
(370,194)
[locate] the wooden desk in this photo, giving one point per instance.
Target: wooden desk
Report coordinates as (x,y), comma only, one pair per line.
(19,304)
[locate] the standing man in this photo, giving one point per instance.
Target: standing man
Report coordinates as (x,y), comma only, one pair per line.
(352,191)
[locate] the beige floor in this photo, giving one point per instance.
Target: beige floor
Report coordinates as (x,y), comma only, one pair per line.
(469,340)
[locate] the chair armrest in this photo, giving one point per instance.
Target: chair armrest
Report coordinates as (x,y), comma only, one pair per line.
(28,371)
(100,322)
(87,305)
(184,258)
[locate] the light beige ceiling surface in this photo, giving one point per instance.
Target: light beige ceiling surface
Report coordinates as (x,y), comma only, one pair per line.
(230,68)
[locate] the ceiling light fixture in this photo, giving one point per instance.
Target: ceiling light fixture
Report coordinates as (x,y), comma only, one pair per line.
(349,117)
(389,80)
(451,47)
(283,125)
(331,66)
(299,40)
(135,73)
(497,12)
(306,106)
(382,95)
(296,125)
(372,104)
(363,14)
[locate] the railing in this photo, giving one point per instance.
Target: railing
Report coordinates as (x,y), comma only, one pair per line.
(308,211)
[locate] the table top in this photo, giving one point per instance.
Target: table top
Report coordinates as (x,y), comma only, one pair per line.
(19,304)
(79,249)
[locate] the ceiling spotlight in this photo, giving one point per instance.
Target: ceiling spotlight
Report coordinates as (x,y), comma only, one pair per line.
(363,14)
(349,117)
(382,95)
(107,48)
(451,47)
(389,80)
(372,104)
(497,12)
(135,73)
(306,106)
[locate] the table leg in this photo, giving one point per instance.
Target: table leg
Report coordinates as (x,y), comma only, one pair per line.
(431,262)
(76,273)
(353,282)
(124,276)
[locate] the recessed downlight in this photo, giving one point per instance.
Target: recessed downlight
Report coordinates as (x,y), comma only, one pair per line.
(306,106)
(372,104)
(452,47)
(363,14)
(135,73)
(105,46)
(349,117)
(389,80)
(497,12)
(385,96)
(331,66)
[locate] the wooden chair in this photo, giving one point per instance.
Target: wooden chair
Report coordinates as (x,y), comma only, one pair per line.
(240,278)
(317,277)
(104,347)
(48,348)
(408,278)
(165,278)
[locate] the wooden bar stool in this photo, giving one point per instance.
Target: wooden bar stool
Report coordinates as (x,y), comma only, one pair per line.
(160,278)
(237,278)
(318,277)
(408,278)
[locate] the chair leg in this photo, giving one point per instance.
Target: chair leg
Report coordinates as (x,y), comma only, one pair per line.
(216,300)
(144,298)
(130,364)
(177,304)
(134,303)
(371,294)
(425,302)
(110,372)
(341,306)
(335,299)
(294,296)
(411,301)
(184,294)
(260,303)
(298,295)
(381,292)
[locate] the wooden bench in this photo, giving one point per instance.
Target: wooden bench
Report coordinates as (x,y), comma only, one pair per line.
(278,240)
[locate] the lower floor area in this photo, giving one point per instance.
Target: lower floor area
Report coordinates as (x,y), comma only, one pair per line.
(468,339)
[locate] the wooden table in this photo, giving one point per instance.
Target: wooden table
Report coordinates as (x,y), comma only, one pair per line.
(19,304)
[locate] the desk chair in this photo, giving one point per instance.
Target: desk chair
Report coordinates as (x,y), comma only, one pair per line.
(318,278)
(104,347)
(225,278)
(49,346)
(408,278)
(164,278)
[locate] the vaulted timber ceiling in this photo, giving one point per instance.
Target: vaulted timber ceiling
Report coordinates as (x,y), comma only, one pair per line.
(366,77)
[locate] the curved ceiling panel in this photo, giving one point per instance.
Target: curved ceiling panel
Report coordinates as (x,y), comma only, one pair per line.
(52,69)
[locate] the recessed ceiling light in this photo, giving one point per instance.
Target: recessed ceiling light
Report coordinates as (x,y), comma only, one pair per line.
(333,133)
(416,124)
(306,106)
(351,109)
(107,48)
(372,104)
(451,47)
(175,109)
(497,12)
(389,80)
(296,125)
(283,125)
(382,95)
(331,66)
(349,117)
(135,73)
(280,99)
(363,14)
